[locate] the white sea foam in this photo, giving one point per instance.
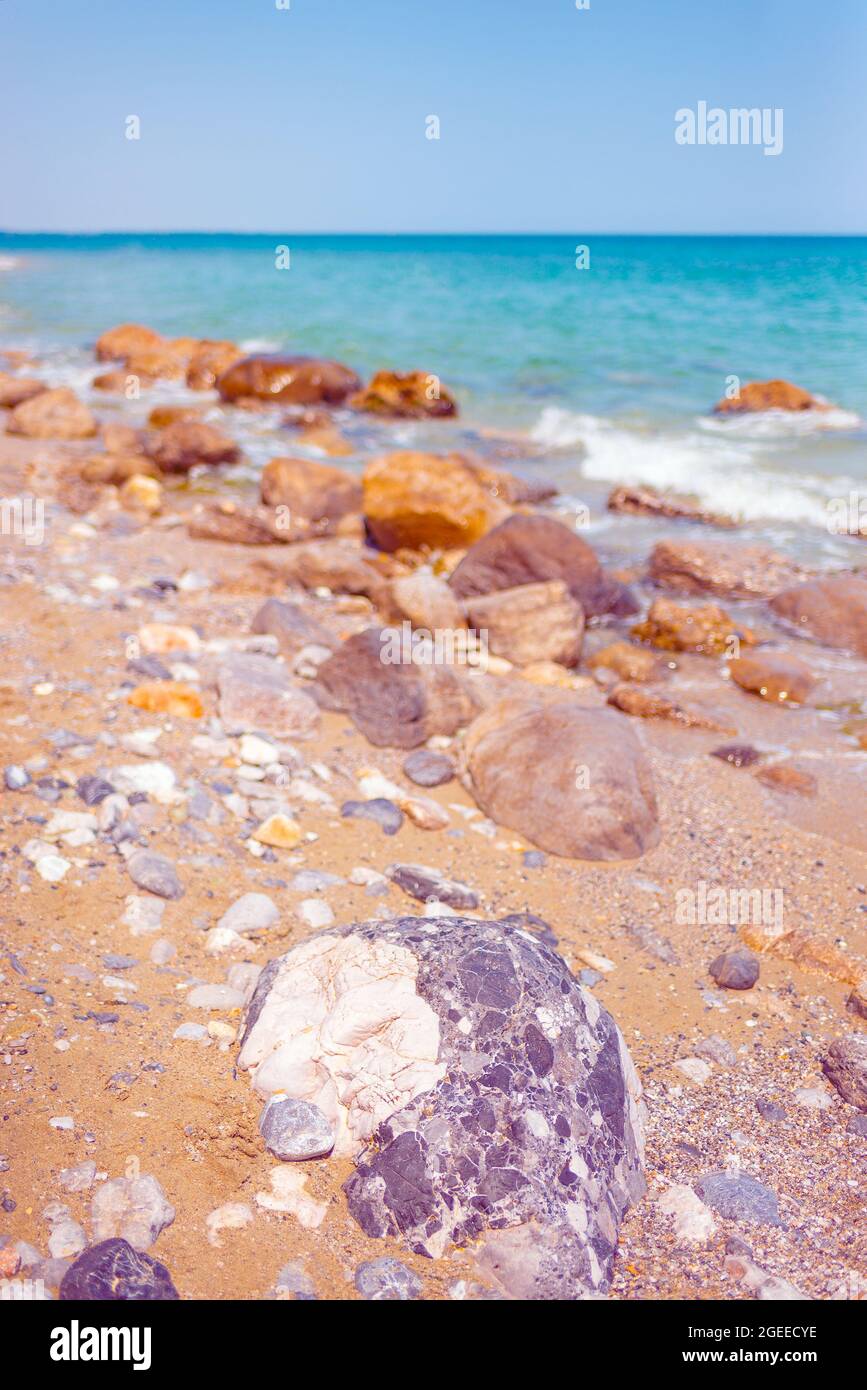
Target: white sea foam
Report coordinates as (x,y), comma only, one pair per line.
(260,345)
(10,262)
(727,471)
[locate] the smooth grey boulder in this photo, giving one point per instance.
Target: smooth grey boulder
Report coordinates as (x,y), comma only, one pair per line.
(295,1129)
(526,1144)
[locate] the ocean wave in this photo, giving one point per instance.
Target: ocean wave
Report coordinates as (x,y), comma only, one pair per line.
(250,345)
(781,424)
(723,471)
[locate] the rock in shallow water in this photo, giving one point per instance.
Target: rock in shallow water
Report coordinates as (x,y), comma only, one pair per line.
(506,1109)
(113,1270)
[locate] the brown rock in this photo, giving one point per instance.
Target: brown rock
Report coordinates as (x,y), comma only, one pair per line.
(534,549)
(315,493)
(163,415)
(718,567)
(706,628)
(509,488)
(409,395)
(846,1068)
(426,600)
(55,414)
(226,521)
(775,676)
(646,704)
(187,444)
(342,566)
(117,381)
(162,361)
(646,501)
(256,696)
(273,377)
(427,500)
(536,622)
(119,343)
(15,390)
(628,662)
(291,626)
(121,439)
(783,777)
(208,361)
(394,704)
(769,395)
(571,780)
(832,610)
(117,468)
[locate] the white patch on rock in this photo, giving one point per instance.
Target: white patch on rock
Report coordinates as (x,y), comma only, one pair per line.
(288,1194)
(344,1028)
(693,1221)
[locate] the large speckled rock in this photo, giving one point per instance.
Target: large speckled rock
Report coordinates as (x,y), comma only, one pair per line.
(487,1099)
(846,1067)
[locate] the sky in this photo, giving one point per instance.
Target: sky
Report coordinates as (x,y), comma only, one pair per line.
(314,117)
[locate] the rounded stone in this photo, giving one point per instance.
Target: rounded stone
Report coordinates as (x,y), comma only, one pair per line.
(113,1270)
(735,969)
(387,1280)
(295,1129)
(428,769)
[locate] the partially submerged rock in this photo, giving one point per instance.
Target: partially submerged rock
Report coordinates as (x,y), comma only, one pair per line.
(187,444)
(281,379)
(718,567)
(405,395)
(651,704)
(705,628)
(647,501)
(777,677)
(505,1113)
(14,390)
(831,610)
(768,395)
(574,781)
(536,622)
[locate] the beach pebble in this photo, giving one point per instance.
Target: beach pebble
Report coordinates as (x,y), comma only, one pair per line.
(136,1209)
(261,752)
(858,1125)
(112,1269)
(53,868)
(769,1110)
(387,1279)
(813,1098)
(219,940)
(693,1221)
(316,913)
(738,969)
(295,1129)
(253,912)
(62,1122)
(427,885)
(162,952)
(739,1197)
(293,1281)
(67,1240)
(93,790)
(155,873)
(370,879)
(232,1216)
(143,915)
(15,777)
(428,769)
(279,832)
(315,881)
(534,859)
(190,1032)
(716,1049)
(383,813)
(763,1286)
(215,997)
(694,1068)
(79,1178)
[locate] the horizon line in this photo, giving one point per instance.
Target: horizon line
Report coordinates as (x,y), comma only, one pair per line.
(269,232)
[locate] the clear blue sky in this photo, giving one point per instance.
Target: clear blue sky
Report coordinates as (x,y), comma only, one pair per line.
(552,119)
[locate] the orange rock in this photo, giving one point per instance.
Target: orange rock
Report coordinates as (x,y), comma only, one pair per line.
(785,778)
(118,343)
(121,439)
(646,704)
(279,831)
(55,414)
(769,395)
(226,521)
(168,697)
(163,415)
(160,361)
(208,361)
(628,662)
(117,468)
(117,381)
(675,628)
(427,500)
(14,390)
(775,676)
(411,395)
(287,380)
(143,494)
(316,493)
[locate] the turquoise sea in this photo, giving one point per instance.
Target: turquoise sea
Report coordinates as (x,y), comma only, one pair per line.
(610,369)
